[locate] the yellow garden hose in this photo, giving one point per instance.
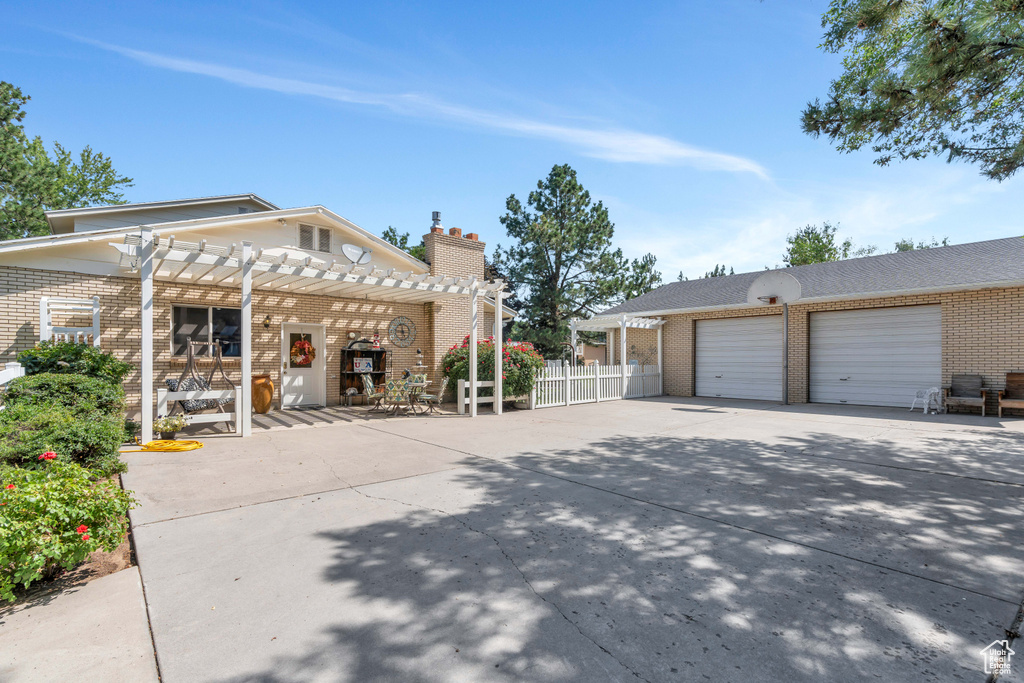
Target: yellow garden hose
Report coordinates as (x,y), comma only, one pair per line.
(167,445)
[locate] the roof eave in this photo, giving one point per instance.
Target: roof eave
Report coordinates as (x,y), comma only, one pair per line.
(26,243)
(997,284)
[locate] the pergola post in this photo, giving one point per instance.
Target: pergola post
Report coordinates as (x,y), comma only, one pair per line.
(609,345)
(244,408)
(499,353)
(572,329)
(622,357)
(146,277)
(661,361)
(473,294)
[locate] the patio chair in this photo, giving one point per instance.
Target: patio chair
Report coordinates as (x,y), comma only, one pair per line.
(433,401)
(372,393)
(965,390)
(396,394)
(1013,395)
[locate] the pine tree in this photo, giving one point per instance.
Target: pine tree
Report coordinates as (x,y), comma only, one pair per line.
(924,78)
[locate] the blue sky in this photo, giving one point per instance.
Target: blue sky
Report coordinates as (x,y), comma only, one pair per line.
(683,117)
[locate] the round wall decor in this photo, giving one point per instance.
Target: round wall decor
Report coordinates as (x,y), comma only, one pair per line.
(402,331)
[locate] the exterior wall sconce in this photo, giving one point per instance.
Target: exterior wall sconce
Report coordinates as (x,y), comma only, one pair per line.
(266,323)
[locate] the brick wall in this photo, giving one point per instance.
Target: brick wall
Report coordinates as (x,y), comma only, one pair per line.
(454,256)
(20,290)
(981,334)
(641,345)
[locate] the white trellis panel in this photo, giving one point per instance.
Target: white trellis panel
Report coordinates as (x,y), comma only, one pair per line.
(49,306)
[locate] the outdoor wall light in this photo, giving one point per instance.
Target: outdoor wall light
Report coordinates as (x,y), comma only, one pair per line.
(266,323)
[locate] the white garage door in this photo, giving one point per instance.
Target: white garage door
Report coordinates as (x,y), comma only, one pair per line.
(876,357)
(740,357)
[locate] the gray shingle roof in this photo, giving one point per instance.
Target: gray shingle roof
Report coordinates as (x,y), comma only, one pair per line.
(953,267)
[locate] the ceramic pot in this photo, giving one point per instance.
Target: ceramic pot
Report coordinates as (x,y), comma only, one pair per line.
(262,393)
(168,436)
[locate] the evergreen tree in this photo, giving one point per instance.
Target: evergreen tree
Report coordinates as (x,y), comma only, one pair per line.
(31,182)
(641,278)
(719,271)
(928,77)
(561,258)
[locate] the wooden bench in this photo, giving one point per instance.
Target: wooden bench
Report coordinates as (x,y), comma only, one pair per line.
(965,390)
(1013,395)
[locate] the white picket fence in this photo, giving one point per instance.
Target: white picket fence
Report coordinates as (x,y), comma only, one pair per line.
(566,385)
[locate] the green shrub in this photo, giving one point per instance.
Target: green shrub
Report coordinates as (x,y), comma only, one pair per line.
(73,359)
(90,439)
(520,364)
(52,518)
(80,393)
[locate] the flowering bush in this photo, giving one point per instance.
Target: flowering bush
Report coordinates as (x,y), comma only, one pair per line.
(52,518)
(520,363)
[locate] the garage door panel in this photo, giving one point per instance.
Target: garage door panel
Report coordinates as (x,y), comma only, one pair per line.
(875,356)
(740,358)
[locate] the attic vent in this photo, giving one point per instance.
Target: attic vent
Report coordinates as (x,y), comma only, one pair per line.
(244,209)
(314,238)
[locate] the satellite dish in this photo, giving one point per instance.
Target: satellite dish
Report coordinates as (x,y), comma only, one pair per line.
(356,254)
(773,287)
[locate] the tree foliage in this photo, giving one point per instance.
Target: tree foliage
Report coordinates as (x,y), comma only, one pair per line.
(811,244)
(402,242)
(562,259)
(719,271)
(926,77)
(908,244)
(32,181)
(642,277)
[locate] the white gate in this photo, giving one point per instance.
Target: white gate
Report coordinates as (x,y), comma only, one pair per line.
(565,385)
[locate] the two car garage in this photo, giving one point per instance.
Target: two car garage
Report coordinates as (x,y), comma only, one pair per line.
(878,356)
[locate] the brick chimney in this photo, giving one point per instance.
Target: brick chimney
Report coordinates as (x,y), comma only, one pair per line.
(453,255)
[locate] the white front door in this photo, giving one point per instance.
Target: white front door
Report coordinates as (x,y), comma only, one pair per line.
(740,357)
(303,365)
(875,356)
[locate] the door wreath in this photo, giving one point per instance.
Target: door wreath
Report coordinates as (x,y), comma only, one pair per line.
(302,354)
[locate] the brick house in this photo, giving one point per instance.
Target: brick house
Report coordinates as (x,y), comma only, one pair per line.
(866,331)
(313,274)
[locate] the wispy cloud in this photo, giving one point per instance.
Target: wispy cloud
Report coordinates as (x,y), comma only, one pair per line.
(611,144)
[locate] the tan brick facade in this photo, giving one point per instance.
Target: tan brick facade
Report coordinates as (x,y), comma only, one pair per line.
(981,334)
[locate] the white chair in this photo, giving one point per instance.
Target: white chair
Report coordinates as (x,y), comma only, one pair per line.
(931,399)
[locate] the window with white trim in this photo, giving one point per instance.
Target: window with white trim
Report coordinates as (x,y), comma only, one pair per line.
(314,238)
(206,324)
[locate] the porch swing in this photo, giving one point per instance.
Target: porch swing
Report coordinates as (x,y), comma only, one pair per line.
(191,381)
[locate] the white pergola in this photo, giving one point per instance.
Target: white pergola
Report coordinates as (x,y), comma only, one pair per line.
(155,257)
(621,322)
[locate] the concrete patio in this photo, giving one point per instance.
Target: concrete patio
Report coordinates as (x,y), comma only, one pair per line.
(656,539)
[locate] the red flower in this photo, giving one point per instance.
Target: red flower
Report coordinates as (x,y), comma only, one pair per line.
(82,529)
(10,486)
(48,455)
(85,537)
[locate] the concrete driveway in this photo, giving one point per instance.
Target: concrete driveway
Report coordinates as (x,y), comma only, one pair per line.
(658,539)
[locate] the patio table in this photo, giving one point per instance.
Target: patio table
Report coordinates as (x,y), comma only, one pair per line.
(415,389)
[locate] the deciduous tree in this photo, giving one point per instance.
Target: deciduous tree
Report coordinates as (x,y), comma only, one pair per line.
(32,182)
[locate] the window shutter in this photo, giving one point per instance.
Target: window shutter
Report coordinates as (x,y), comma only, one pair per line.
(307,240)
(324,243)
